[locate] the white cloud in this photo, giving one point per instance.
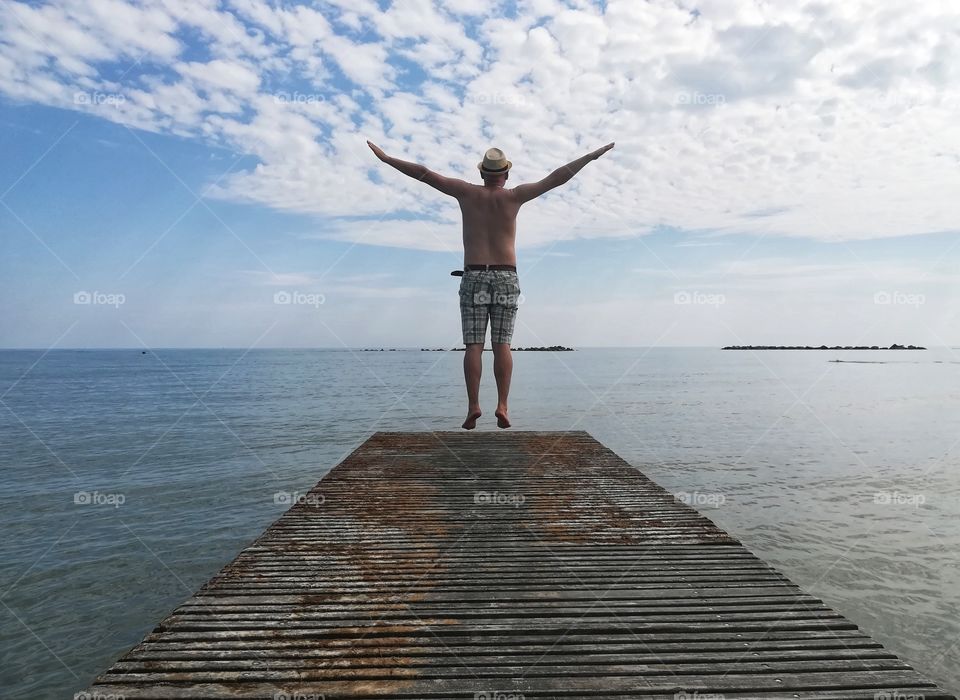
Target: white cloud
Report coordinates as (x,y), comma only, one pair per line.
(338,287)
(855,277)
(280,279)
(444,236)
(221,74)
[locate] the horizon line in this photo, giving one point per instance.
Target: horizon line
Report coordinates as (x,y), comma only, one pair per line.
(420,348)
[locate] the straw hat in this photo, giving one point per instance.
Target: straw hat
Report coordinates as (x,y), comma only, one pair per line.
(494,162)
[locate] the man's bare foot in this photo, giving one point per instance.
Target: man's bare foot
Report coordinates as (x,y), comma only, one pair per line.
(471,422)
(502,420)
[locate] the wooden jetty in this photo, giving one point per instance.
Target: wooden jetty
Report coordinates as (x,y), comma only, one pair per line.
(501,566)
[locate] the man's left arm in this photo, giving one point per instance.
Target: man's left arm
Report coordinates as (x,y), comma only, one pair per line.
(448,185)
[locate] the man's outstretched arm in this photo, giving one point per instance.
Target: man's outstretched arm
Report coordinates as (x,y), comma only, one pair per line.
(448,185)
(558,176)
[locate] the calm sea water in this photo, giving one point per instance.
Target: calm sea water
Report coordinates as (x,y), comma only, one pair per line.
(845,476)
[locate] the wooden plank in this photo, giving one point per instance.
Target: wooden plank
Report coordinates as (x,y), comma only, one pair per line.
(439,565)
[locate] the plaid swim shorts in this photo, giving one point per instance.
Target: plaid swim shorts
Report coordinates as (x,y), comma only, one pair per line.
(488,293)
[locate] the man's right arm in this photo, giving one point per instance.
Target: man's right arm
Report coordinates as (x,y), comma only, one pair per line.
(558,177)
(448,185)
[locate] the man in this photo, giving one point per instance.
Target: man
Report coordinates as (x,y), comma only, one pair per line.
(490,286)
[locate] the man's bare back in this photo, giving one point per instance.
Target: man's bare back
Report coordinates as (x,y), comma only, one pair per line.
(489,225)
(489,238)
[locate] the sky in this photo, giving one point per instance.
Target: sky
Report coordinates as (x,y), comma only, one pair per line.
(190,173)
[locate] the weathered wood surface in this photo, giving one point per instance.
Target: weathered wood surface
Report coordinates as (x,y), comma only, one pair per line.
(501,565)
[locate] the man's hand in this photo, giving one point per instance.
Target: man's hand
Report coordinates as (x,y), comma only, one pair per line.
(600,151)
(378,151)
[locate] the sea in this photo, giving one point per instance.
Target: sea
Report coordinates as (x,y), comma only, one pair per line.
(129,477)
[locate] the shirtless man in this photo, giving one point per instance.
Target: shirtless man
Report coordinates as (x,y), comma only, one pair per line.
(489,286)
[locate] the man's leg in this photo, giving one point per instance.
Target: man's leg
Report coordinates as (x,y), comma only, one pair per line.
(473,319)
(503,371)
(472,367)
(503,316)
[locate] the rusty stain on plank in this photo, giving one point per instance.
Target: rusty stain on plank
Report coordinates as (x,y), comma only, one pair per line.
(521,564)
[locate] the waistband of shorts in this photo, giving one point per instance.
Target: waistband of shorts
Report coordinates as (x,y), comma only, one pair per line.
(511,268)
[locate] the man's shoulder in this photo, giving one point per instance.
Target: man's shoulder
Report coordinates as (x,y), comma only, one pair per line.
(471,189)
(492,191)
